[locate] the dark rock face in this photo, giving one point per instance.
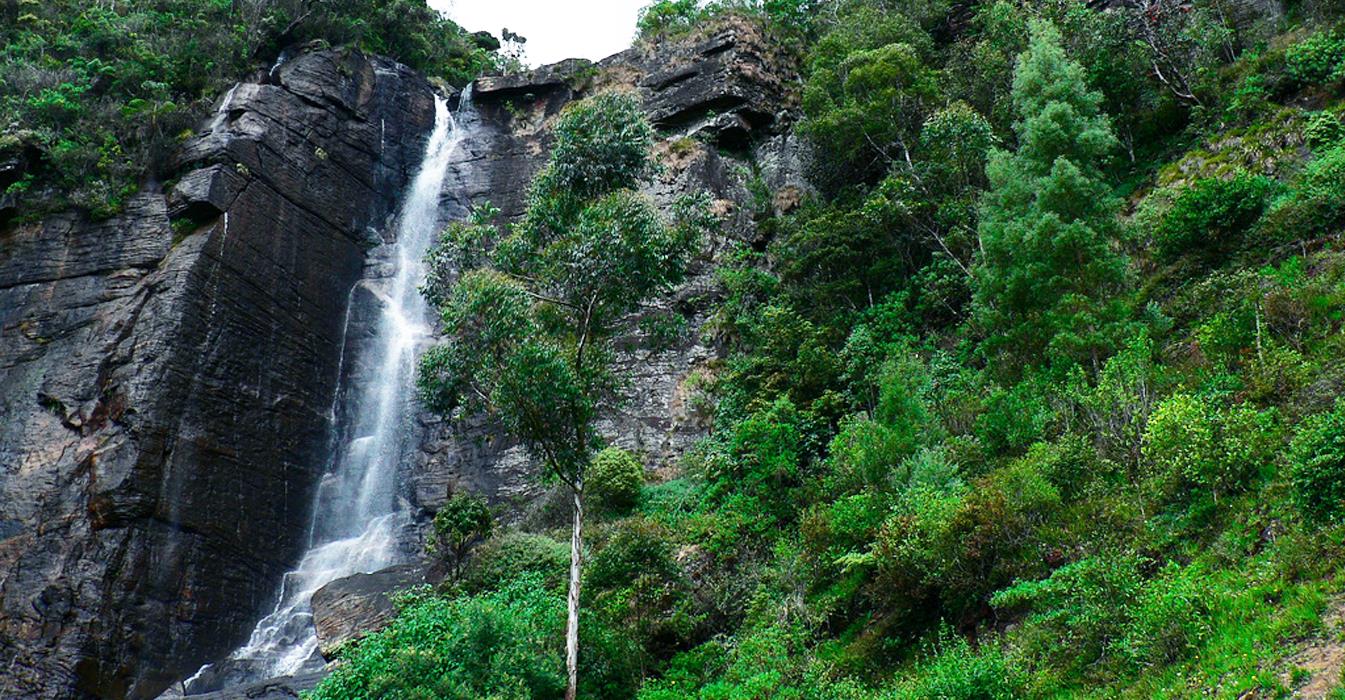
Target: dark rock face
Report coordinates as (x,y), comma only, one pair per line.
(164,397)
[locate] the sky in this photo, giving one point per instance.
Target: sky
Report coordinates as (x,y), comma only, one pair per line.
(555,30)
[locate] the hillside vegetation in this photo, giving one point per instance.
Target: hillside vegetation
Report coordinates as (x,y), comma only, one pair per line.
(94,97)
(1037,397)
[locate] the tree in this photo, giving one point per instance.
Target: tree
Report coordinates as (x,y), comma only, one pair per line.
(1048,280)
(865,114)
(461,522)
(531,318)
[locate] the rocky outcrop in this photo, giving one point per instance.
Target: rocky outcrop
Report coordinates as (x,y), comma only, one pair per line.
(723,104)
(351,607)
(166,379)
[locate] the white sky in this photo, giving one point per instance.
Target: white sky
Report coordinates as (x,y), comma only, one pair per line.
(555,30)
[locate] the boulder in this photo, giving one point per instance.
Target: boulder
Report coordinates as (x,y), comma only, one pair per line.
(354,606)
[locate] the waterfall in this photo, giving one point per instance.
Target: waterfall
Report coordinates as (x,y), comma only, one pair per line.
(356,520)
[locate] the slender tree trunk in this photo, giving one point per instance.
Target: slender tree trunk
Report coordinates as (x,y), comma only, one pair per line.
(572,623)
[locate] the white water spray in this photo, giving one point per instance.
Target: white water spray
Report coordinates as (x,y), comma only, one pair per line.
(356,524)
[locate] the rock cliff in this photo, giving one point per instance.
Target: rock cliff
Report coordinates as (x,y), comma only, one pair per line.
(166,378)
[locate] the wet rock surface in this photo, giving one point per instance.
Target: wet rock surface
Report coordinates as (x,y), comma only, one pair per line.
(349,608)
(165,387)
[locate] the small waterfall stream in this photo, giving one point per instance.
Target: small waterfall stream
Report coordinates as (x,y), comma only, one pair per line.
(357,519)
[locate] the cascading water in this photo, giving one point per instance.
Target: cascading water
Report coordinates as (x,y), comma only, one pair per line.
(357,520)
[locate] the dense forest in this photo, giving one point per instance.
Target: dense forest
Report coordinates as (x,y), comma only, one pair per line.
(1036,395)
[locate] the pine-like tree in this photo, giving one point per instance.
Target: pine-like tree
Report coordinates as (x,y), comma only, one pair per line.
(1049,283)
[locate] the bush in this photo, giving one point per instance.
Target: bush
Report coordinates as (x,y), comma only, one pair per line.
(614,478)
(504,644)
(862,115)
(1212,216)
(1101,609)
(636,585)
(668,18)
(1317,60)
(1192,443)
(1315,205)
(518,554)
(1080,611)
(1323,131)
(957,545)
(463,520)
(1317,462)
(955,671)
(1170,618)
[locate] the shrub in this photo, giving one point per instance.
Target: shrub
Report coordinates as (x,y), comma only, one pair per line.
(1315,205)
(1212,216)
(862,114)
(614,479)
(1193,443)
(1317,460)
(1080,610)
(956,671)
(637,586)
(669,18)
(1014,418)
(1323,131)
(1317,60)
(1101,609)
(463,520)
(504,644)
(515,555)
(1170,618)
(958,545)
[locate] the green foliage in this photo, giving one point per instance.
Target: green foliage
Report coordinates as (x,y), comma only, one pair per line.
(463,520)
(504,644)
(1213,216)
(956,671)
(1318,60)
(1323,131)
(1317,463)
(614,478)
(1315,203)
(1195,443)
(957,545)
(515,555)
(637,586)
(788,20)
(757,471)
(1046,287)
(105,91)
(664,18)
(1116,409)
(531,319)
(1101,609)
(866,112)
